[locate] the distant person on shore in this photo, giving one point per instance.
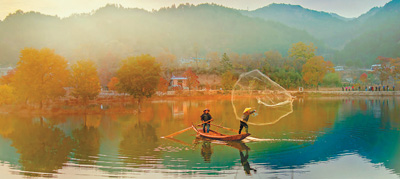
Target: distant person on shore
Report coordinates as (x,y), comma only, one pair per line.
(206,119)
(359,88)
(245,119)
(342,88)
(352,88)
(346,88)
(387,87)
(393,87)
(383,88)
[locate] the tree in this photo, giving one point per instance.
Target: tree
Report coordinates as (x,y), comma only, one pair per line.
(139,76)
(192,81)
(112,84)
(300,52)
(85,81)
(225,63)
(228,80)
(331,79)
(40,75)
(8,78)
(6,94)
(163,85)
(315,69)
(384,70)
(364,78)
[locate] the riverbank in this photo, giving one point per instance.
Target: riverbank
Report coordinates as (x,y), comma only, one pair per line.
(344,93)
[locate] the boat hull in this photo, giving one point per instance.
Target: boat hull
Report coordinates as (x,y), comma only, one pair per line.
(218,136)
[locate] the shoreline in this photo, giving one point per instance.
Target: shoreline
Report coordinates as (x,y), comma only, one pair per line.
(126,105)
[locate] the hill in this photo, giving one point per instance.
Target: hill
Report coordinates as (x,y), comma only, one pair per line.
(331,28)
(380,37)
(114,31)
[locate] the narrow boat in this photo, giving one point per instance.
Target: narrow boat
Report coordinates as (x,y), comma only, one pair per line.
(218,136)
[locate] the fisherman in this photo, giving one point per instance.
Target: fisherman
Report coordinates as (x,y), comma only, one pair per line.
(245,118)
(206,119)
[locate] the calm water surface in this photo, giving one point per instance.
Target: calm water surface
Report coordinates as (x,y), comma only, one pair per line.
(322,138)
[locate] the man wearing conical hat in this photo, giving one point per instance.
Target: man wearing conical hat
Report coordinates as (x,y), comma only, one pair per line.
(245,118)
(206,119)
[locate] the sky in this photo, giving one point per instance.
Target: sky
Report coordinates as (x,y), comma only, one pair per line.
(64,8)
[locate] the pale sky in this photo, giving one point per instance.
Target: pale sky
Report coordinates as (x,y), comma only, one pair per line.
(64,8)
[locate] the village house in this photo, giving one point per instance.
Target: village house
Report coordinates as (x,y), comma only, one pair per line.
(178,82)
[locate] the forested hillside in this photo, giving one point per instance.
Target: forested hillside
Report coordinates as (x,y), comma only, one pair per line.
(186,31)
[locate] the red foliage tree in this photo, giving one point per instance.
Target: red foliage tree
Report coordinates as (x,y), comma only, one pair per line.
(192,81)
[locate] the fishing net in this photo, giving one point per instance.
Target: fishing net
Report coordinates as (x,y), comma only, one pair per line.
(256,90)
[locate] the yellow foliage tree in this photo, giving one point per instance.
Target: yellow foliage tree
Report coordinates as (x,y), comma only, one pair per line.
(40,75)
(6,94)
(85,80)
(301,53)
(315,69)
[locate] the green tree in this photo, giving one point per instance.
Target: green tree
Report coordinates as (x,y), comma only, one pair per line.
(40,75)
(225,63)
(85,81)
(139,76)
(331,79)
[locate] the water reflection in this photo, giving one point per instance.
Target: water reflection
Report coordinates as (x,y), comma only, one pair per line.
(42,147)
(245,162)
(319,132)
(206,151)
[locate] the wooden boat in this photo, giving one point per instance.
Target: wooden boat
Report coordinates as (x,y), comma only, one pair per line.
(218,136)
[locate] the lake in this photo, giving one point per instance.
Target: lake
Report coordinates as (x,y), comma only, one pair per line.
(326,137)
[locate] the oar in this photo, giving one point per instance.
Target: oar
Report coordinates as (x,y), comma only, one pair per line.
(229,129)
(179,132)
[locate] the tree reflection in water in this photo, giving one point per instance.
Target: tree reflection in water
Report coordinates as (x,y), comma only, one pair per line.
(138,144)
(87,141)
(43,148)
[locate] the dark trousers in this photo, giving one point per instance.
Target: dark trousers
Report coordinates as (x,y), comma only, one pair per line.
(243,124)
(208,127)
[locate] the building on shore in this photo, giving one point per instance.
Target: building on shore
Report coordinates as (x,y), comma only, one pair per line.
(178,82)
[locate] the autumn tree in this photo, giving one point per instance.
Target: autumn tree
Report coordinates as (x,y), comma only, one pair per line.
(8,78)
(315,69)
(112,84)
(228,80)
(225,63)
(384,70)
(139,76)
(301,52)
(163,85)
(364,78)
(84,80)
(192,81)
(6,94)
(40,75)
